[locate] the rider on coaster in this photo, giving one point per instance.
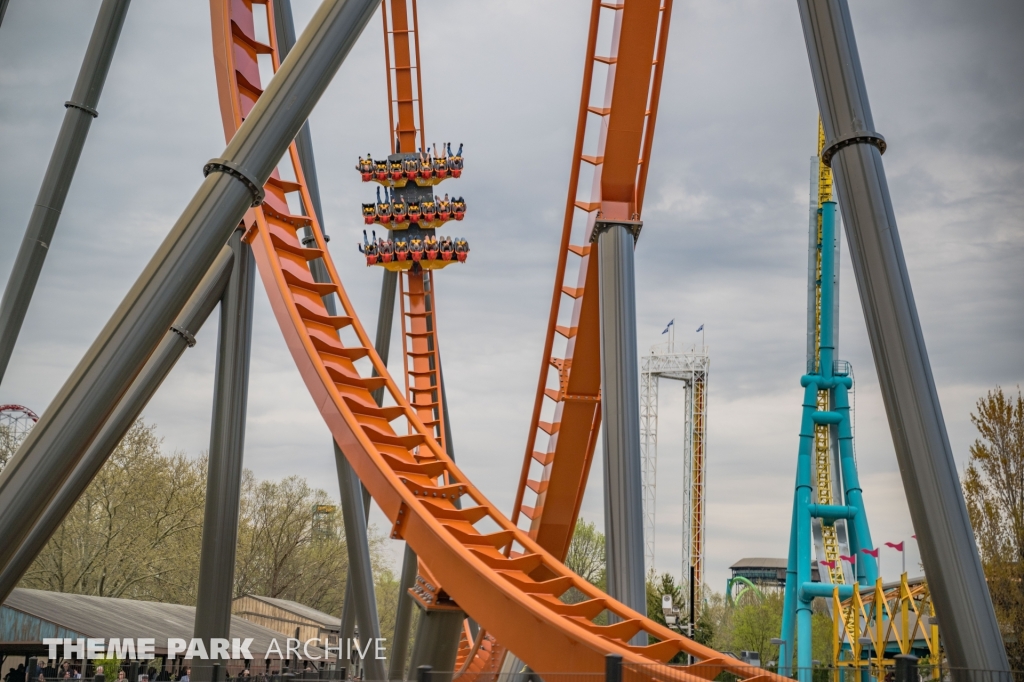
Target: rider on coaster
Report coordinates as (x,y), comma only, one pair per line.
(383,209)
(365,167)
(444,207)
(428,209)
(401,250)
(459,208)
(398,208)
(426,165)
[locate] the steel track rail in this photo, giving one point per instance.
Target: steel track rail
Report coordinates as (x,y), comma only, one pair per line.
(411,478)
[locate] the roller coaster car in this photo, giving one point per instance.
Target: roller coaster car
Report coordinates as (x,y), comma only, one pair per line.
(426,168)
(441,168)
(365,168)
(459,208)
(423,168)
(455,165)
(401,251)
(384,212)
(424,252)
(398,211)
(428,209)
(369,213)
(414,212)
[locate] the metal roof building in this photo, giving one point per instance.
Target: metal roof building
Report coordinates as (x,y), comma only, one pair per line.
(288,617)
(28,616)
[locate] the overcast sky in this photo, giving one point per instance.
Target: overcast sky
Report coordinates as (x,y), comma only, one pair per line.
(724,240)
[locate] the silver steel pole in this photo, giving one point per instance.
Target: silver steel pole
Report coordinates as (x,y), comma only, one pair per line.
(437,643)
(285,28)
(360,570)
(80,111)
(620,381)
(233,184)
(3,10)
(175,341)
(403,617)
(955,577)
(227,445)
(284,25)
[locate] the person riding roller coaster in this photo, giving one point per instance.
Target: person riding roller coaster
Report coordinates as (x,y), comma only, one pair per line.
(369,248)
(431,247)
(459,208)
(447,248)
(401,250)
(397,172)
(426,165)
(455,161)
(414,211)
(369,213)
(461,249)
(383,209)
(416,250)
(444,207)
(380,170)
(428,210)
(398,210)
(365,168)
(440,164)
(386,249)
(411,168)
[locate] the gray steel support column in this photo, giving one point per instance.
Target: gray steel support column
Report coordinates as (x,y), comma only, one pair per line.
(3,10)
(174,343)
(284,25)
(80,111)
(57,443)
(951,562)
(360,570)
(620,407)
(227,446)
(382,344)
(435,628)
(403,617)
(349,614)
(435,634)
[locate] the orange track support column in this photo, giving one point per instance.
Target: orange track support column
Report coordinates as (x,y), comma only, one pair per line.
(559,452)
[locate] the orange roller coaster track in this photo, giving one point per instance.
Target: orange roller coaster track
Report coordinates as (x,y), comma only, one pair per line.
(502,577)
(570,386)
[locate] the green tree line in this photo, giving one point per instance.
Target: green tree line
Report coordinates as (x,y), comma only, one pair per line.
(136,533)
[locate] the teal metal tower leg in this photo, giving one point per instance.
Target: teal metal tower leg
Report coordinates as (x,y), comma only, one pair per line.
(802,516)
(789,603)
(860,533)
(800,590)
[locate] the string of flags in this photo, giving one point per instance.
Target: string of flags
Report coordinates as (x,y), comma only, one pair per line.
(874,553)
(672,323)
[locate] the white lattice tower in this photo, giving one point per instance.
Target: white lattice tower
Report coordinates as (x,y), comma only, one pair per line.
(691,369)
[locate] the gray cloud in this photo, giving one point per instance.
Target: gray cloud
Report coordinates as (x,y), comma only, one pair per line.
(723,244)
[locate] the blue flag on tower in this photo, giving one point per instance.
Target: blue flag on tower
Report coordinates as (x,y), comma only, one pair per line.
(671,322)
(700,328)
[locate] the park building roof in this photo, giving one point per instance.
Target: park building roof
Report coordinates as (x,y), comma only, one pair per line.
(28,616)
(287,617)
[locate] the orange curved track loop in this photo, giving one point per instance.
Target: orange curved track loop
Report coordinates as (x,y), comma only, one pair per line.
(563,449)
(407,474)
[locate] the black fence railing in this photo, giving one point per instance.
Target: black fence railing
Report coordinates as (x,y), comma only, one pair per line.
(902,669)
